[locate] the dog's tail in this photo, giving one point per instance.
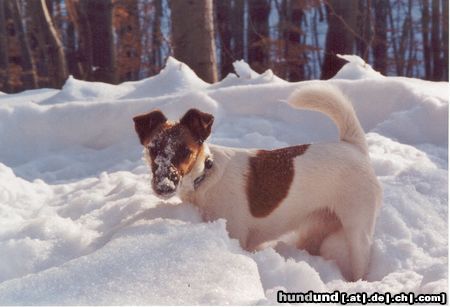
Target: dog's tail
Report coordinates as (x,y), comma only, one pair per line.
(330,101)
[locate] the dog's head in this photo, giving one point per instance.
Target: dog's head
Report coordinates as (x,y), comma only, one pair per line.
(173,149)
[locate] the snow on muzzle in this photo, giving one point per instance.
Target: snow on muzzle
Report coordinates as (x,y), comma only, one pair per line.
(166,177)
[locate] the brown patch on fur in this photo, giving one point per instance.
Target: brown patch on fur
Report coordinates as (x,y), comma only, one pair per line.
(269,178)
(183,163)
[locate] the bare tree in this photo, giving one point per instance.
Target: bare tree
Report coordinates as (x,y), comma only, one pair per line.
(53,48)
(364,29)
(71,51)
(237,29)
(76,10)
(436,40)
(445,38)
(318,17)
(157,36)
(99,13)
(410,57)
(128,42)
(4,61)
(340,34)
(426,37)
(380,39)
(258,34)
(38,44)
(230,27)
(28,74)
(193,36)
(294,50)
(223,16)
(394,40)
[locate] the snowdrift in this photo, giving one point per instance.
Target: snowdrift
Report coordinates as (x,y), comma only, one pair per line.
(80,224)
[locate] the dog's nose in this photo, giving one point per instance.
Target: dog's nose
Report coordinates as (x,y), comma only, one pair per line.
(166,184)
(163,189)
(174,177)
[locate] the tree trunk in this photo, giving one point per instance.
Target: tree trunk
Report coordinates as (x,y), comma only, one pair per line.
(317,62)
(4,65)
(445,38)
(49,4)
(71,52)
(380,40)
(128,33)
(364,28)
(56,57)
(294,55)
(237,29)
(223,14)
(157,37)
(405,32)
(99,13)
(282,41)
(28,75)
(425,38)
(436,40)
(38,44)
(411,47)
(76,10)
(258,34)
(340,34)
(193,36)
(394,43)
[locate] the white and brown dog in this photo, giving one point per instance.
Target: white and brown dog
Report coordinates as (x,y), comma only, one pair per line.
(326,192)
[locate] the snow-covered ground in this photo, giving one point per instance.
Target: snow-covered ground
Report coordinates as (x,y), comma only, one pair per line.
(80,224)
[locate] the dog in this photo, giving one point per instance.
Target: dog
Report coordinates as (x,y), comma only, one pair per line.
(327,192)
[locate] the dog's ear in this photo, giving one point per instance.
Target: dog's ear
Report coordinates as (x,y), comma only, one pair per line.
(199,123)
(146,124)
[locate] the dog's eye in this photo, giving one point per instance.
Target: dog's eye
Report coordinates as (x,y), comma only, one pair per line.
(186,152)
(153,149)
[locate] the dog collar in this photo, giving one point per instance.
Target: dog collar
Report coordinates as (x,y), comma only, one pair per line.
(208,165)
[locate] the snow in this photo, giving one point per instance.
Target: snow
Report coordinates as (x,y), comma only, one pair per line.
(81,225)
(144,264)
(175,77)
(356,69)
(74,90)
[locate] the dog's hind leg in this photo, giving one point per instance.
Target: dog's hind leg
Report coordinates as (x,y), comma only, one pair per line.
(317,226)
(335,247)
(359,247)
(358,225)
(351,251)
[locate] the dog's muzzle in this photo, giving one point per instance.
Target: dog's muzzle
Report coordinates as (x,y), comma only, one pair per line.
(166,184)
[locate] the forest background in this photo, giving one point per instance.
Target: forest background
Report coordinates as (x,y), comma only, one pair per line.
(42,42)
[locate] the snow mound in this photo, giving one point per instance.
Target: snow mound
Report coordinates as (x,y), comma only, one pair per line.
(80,224)
(413,126)
(79,90)
(246,76)
(174,77)
(244,71)
(356,69)
(152,263)
(35,96)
